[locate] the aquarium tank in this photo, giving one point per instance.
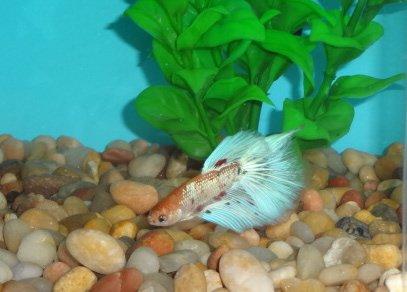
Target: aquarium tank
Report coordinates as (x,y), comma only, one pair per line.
(203,145)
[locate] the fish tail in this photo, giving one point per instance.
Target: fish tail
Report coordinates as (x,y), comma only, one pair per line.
(272,174)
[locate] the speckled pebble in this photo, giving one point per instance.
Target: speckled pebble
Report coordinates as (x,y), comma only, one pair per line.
(77,279)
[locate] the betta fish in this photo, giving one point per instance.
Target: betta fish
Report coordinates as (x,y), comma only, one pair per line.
(248,181)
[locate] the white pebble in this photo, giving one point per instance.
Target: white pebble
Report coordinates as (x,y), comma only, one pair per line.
(397,282)
(281,249)
(281,274)
(387,274)
(37,247)
(9,258)
(334,255)
(145,260)
(26,271)
(5,273)
(337,275)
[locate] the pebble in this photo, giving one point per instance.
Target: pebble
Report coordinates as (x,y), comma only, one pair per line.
(5,273)
(281,230)
(328,198)
(374,198)
(151,286)
(397,282)
(101,201)
(3,201)
(55,270)
(26,270)
(354,160)
(199,247)
(311,200)
(385,238)
(148,165)
(96,250)
(338,181)
(230,239)
(52,208)
(346,210)
(262,253)
(190,278)
(281,249)
(159,241)
(177,235)
(214,257)
(364,216)
(64,256)
(172,262)
(13,149)
(13,231)
(118,213)
(117,156)
(99,223)
(354,196)
(74,206)
(37,247)
(318,177)
(309,262)
(367,173)
(383,226)
(316,156)
(200,231)
(9,258)
(40,284)
(369,273)
(240,271)
(281,274)
(386,255)
(335,162)
(36,218)
(319,222)
(74,222)
(163,279)
(127,280)
(302,231)
(354,227)
(177,165)
(45,184)
(355,285)
(213,280)
(252,237)
(355,255)
(137,196)
(77,279)
(145,260)
(387,186)
(384,211)
(338,274)
(386,165)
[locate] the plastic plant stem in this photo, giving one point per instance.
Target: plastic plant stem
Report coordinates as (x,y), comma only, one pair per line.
(322,94)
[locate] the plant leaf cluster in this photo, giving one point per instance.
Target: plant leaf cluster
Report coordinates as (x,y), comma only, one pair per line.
(220,57)
(325,115)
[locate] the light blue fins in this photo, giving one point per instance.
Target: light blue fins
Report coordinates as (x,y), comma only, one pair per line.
(268,187)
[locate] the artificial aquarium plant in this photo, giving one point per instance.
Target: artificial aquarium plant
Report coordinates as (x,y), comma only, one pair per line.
(219,57)
(325,114)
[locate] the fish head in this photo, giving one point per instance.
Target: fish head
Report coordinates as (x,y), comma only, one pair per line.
(164,216)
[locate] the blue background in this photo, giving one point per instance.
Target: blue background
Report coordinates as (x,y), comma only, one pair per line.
(74,67)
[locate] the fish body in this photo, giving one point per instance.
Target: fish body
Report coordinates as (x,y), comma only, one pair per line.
(248,181)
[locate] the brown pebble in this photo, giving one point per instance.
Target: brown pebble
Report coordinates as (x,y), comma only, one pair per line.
(353,195)
(373,199)
(13,149)
(214,258)
(127,280)
(201,231)
(65,256)
(311,200)
(159,241)
(339,181)
(45,184)
(117,156)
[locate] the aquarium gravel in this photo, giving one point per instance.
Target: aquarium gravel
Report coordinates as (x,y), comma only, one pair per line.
(74,219)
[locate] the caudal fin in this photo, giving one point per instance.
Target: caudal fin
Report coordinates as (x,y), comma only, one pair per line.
(269,185)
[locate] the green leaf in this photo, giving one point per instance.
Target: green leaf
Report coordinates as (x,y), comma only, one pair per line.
(361,86)
(174,8)
(193,144)
(346,4)
(166,59)
(172,110)
(153,18)
(292,47)
(202,23)
(240,24)
(236,50)
(268,15)
(194,79)
(332,34)
(327,127)
(367,37)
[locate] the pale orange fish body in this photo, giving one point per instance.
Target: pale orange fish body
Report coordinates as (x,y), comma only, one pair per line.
(189,199)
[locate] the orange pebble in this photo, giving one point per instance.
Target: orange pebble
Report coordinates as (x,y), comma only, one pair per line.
(54,271)
(339,181)
(311,200)
(352,195)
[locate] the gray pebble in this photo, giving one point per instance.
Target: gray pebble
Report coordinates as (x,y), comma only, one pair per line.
(302,231)
(262,253)
(172,262)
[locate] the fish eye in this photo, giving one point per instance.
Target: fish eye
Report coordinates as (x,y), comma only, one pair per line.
(162,218)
